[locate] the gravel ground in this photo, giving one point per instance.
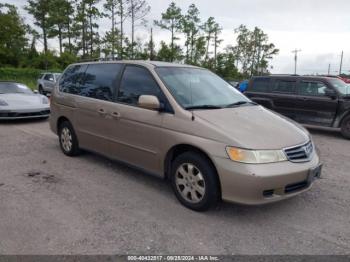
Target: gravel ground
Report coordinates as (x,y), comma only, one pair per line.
(53,204)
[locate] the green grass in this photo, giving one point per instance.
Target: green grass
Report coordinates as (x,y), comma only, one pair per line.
(27,76)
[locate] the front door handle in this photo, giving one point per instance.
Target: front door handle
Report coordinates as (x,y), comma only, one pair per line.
(116,115)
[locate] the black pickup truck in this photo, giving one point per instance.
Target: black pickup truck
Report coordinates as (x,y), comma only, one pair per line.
(312,100)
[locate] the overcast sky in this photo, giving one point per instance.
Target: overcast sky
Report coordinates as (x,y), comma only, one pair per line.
(320,28)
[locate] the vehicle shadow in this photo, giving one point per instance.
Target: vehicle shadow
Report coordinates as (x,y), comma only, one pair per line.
(23,121)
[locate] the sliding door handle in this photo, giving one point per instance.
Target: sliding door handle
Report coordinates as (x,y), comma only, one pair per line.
(115,115)
(102,112)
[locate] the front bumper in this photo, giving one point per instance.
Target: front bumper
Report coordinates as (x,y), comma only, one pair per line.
(24,113)
(254,184)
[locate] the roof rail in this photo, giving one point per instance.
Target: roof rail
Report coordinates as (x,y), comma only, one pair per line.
(277,75)
(99,59)
(284,75)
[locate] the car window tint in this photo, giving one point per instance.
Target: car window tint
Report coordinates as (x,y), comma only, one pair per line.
(309,88)
(72,78)
(284,86)
(260,85)
(137,81)
(48,77)
(99,81)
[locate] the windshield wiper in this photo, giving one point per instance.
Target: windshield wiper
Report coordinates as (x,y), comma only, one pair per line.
(239,103)
(203,107)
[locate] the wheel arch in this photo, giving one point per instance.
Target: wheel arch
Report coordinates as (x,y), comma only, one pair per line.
(344,116)
(60,120)
(179,149)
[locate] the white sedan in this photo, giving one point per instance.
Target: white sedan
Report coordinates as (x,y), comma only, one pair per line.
(17,101)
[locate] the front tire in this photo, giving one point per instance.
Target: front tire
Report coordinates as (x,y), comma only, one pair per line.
(345,127)
(41,90)
(194,181)
(68,139)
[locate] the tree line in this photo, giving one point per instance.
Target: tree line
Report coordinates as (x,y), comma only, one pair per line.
(74,24)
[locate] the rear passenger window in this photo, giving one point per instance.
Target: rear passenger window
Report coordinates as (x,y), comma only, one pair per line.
(137,81)
(260,85)
(284,86)
(72,79)
(312,88)
(100,80)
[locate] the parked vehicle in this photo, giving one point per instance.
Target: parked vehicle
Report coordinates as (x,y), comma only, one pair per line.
(320,101)
(186,124)
(243,85)
(46,82)
(17,101)
(344,79)
(234,83)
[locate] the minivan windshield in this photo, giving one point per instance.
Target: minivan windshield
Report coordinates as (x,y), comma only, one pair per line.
(341,86)
(14,88)
(195,88)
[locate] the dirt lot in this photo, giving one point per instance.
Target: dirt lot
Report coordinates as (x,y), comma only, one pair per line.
(53,204)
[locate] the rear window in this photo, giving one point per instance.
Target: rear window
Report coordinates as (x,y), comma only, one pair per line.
(260,85)
(284,86)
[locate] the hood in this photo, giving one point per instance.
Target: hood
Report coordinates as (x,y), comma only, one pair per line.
(254,127)
(23,101)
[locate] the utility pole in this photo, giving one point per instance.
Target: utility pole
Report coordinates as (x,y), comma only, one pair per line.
(151,47)
(341,62)
(329,69)
(296,51)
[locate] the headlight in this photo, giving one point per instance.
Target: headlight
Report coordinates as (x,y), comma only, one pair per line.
(255,156)
(45,100)
(3,103)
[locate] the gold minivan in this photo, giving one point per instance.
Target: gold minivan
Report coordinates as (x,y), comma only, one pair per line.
(186,124)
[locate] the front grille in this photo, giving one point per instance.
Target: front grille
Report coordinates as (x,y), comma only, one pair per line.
(300,153)
(296,187)
(26,114)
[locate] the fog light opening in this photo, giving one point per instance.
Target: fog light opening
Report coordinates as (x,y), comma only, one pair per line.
(268,193)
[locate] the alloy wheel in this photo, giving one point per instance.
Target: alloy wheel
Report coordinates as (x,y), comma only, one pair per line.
(66,139)
(190,183)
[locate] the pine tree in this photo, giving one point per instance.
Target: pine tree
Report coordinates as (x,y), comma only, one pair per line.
(171,21)
(39,9)
(137,10)
(191,29)
(59,20)
(111,6)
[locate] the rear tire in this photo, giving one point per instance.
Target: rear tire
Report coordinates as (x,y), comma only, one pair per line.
(41,90)
(68,139)
(345,127)
(194,181)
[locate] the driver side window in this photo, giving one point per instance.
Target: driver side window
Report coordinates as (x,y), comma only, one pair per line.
(137,81)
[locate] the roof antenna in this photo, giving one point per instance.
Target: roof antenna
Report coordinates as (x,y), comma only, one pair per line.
(193,118)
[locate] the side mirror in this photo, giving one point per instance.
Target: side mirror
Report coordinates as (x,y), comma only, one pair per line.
(36,91)
(149,102)
(330,93)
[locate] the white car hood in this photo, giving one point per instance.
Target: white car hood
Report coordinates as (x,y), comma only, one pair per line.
(23,102)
